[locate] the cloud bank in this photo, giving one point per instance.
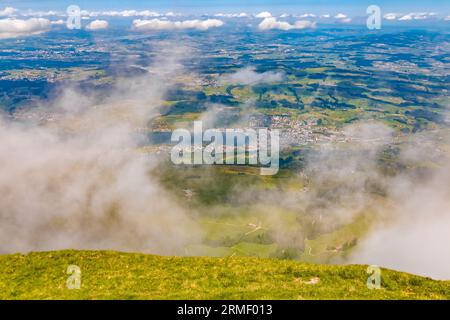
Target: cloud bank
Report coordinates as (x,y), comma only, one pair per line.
(124,13)
(8,11)
(264,14)
(58,22)
(392,16)
(340,16)
(231,15)
(417,16)
(97,25)
(157,24)
(12,28)
(273,23)
(410,16)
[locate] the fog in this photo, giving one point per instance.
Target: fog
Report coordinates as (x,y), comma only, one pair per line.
(415,235)
(79,181)
(410,205)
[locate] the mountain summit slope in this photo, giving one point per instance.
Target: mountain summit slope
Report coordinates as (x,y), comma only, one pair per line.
(115,275)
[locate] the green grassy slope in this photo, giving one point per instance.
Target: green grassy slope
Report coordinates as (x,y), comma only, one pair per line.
(112,275)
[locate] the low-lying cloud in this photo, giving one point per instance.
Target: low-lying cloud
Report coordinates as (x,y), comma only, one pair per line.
(8,11)
(58,22)
(264,14)
(340,16)
(410,16)
(273,23)
(79,182)
(97,25)
(410,207)
(157,24)
(125,13)
(249,76)
(12,28)
(308,15)
(231,15)
(392,16)
(414,238)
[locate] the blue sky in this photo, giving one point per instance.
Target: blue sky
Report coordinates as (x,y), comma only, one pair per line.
(351,7)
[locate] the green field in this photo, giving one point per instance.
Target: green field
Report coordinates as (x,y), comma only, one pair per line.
(113,275)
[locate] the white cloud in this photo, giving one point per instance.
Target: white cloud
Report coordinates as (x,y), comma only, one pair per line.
(123,13)
(31,13)
(157,24)
(346,20)
(284,15)
(108,13)
(134,13)
(273,23)
(326,16)
(7,11)
(58,22)
(429,14)
(308,15)
(405,18)
(145,13)
(447,18)
(340,16)
(12,28)
(424,15)
(97,25)
(264,14)
(417,16)
(232,15)
(391,16)
(248,76)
